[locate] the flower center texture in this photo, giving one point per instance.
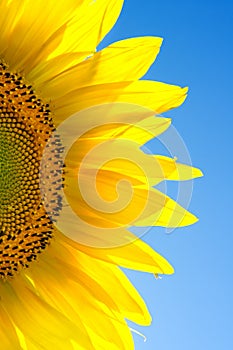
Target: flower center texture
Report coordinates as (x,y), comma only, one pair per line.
(26,124)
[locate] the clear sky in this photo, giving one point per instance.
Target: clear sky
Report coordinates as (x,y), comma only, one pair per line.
(193,309)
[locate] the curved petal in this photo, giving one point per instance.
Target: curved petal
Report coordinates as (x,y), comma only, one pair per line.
(74,288)
(134,254)
(62,279)
(89,25)
(172,170)
(31,313)
(127,301)
(159,97)
(8,334)
(122,61)
(112,152)
(110,140)
(96,193)
(140,132)
(30,33)
(166,213)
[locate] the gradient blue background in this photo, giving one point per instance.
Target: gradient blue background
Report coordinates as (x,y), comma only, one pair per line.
(193,308)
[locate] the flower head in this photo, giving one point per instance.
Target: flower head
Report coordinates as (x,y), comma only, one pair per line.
(72,124)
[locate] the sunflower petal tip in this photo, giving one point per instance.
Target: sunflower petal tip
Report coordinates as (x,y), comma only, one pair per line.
(193,220)
(147,319)
(167,269)
(155,39)
(196,172)
(161,39)
(200,173)
(170,270)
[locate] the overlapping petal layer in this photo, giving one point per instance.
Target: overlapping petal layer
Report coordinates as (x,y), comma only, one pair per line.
(159,97)
(125,60)
(108,154)
(54,304)
(53,28)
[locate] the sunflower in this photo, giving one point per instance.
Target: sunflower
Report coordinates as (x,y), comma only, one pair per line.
(61,286)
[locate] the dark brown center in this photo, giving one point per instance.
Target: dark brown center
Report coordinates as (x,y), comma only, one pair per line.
(26,124)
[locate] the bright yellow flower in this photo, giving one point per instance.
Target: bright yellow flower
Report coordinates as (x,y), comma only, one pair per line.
(55,292)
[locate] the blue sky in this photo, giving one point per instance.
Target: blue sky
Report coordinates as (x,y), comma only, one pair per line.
(193,308)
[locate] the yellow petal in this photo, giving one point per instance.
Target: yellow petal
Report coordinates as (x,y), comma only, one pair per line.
(22,340)
(22,24)
(117,140)
(141,132)
(167,212)
(48,69)
(134,254)
(125,60)
(8,335)
(173,170)
(158,97)
(30,313)
(76,290)
(100,283)
(151,171)
(120,210)
(88,26)
(128,301)
(100,197)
